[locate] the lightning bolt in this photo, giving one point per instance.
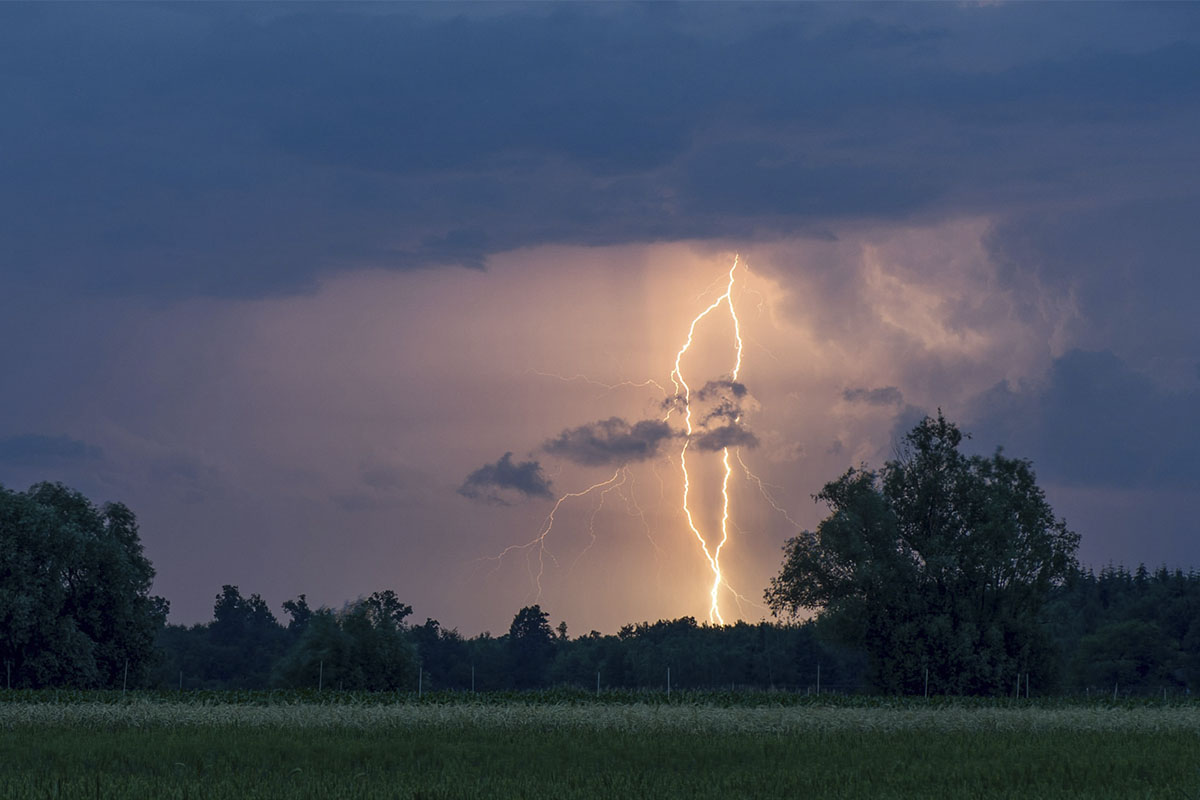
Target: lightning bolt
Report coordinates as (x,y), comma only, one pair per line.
(677,380)
(621,480)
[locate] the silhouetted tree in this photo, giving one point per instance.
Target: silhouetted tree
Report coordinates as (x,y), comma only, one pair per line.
(530,646)
(75,602)
(939,561)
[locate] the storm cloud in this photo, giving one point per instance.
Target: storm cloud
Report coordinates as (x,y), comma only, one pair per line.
(1097,422)
(655,122)
(491,480)
(611,441)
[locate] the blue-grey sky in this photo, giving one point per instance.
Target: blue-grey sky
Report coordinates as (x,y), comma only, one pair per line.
(288,278)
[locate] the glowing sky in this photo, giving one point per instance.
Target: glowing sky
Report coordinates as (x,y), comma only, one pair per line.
(284,278)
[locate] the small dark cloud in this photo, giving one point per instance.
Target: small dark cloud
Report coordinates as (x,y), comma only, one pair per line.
(883,396)
(38,449)
(720,400)
(610,441)
(727,411)
(487,482)
(722,388)
(726,436)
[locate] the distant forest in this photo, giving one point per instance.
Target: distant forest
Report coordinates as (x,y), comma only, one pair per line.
(1136,632)
(939,573)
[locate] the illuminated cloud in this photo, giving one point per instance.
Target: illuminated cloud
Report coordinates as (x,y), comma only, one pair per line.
(611,441)
(489,481)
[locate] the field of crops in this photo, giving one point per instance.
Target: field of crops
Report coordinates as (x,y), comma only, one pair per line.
(567,745)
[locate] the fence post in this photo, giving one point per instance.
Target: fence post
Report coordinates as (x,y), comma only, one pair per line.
(321,676)
(668,683)
(420,681)
(818,678)
(125,679)
(472,679)
(597,683)
(927,683)
(181,680)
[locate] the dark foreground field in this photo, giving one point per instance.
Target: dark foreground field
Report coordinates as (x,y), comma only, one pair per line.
(151,748)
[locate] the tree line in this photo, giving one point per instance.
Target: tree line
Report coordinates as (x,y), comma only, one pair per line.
(369,644)
(939,572)
(1136,631)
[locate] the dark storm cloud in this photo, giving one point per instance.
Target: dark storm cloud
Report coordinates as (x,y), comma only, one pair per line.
(883,396)
(243,150)
(731,435)
(611,441)
(37,450)
(487,482)
(719,401)
(1129,264)
(722,388)
(1097,422)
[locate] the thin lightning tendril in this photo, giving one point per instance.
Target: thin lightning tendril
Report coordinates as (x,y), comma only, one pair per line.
(608,387)
(539,541)
(762,487)
(624,473)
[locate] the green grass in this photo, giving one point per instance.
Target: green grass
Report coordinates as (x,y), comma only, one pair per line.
(148,747)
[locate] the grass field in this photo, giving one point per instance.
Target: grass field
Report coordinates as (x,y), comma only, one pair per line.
(276,746)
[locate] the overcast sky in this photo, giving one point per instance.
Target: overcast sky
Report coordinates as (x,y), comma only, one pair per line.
(340,298)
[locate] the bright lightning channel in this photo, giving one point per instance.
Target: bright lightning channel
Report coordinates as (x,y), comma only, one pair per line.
(677,379)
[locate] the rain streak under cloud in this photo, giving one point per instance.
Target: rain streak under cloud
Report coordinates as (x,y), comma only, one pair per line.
(340,298)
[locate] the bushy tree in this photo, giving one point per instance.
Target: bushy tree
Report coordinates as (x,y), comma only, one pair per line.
(937,562)
(366,646)
(75,602)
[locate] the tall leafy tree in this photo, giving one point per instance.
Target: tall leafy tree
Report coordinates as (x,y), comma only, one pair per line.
(938,562)
(75,602)
(530,646)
